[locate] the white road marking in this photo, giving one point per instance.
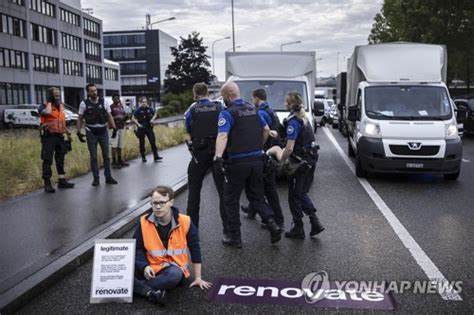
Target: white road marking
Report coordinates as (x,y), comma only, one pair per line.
(467,161)
(422,259)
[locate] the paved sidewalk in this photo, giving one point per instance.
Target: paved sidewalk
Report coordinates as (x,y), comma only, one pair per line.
(38,228)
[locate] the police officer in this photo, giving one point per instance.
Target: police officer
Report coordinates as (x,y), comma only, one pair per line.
(143,117)
(116,136)
(201,120)
(259,99)
(242,132)
(300,142)
(96,115)
(53,129)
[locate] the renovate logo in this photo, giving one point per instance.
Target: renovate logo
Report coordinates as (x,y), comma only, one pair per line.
(117,291)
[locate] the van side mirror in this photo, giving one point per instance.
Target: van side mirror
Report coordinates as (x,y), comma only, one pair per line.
(353,113)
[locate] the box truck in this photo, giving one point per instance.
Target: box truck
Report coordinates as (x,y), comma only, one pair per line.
(400,116)
(278,73)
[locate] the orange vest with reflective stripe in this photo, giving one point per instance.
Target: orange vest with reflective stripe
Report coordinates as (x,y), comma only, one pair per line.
(55,122)
(177,252)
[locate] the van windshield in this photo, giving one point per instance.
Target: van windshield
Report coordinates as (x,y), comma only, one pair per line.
(276,91)
(407,103)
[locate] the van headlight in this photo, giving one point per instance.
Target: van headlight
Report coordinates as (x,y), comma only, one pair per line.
(372,130)
(451,130)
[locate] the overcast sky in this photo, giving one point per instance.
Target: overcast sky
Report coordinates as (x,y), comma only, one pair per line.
(324,26)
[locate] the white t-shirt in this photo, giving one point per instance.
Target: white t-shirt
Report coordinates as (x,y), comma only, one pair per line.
(82,107)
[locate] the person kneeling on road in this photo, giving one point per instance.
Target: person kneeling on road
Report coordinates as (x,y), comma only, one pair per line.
(165,238)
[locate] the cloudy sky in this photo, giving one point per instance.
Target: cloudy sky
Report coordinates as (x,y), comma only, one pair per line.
(324,26)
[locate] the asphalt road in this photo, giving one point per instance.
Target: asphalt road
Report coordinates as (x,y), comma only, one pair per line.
(358,243)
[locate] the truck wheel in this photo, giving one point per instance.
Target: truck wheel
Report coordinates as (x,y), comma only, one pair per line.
(350,150)
(452,176)
(360,172)
(334,126)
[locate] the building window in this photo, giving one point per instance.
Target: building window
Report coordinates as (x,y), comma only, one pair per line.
(92,50)
(41,93)
(125,54)
(69,17)
(44,7)
(19,2)
(141,80)
(72,68)
(44,34)
(45,64)
(91,28)
(93,74)
(133,68)
(13,94)
(13,26)
(16,59)
(111,74)
(124,40)
(72,42)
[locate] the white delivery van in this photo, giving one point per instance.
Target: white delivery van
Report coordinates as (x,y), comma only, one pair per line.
(400,117)
(24,117)
(276,72)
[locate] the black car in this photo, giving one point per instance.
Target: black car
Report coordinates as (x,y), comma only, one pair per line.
(466,105)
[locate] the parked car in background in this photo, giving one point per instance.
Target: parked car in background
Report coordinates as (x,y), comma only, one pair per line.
(466,105)
(71,117)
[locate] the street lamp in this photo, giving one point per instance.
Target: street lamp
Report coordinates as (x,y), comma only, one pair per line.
(149,23)
(233,28)
(231,48)
(337,63)
(289,43)
(213,43)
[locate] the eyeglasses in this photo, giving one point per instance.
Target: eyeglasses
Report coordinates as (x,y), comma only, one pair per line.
(159,203)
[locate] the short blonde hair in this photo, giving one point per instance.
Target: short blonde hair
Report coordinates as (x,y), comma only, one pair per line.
(295,100)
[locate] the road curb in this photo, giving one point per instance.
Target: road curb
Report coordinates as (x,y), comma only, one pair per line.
(38,282)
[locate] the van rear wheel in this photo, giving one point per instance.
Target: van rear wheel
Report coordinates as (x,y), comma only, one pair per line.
(452,176)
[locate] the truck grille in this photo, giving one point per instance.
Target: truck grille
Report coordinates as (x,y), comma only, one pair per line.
(405,150)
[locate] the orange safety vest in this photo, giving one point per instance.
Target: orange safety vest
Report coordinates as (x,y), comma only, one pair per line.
(55,122)
(177,252)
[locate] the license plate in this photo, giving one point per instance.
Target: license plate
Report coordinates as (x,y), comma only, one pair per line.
(414,165)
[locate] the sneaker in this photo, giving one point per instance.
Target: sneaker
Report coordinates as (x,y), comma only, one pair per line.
(96,181)
(110,180)
(156,296)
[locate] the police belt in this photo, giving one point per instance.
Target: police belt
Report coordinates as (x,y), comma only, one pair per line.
(201,144)
(245,159)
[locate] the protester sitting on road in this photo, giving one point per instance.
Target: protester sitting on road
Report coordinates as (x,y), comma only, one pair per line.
(165,238)
(300,143)
(143,117)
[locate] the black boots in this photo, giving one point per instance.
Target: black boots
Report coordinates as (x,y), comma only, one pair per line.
(249,211)
(64,184)
(48,187)
(297,231)
(143,158)
(275,230)
(120,162)
(227,240)
(316,226)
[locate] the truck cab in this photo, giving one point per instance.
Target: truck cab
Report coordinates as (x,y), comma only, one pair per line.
(402,126)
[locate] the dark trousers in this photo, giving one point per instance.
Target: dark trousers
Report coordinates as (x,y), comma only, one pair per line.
(167,278)
(102,140)
(240,174)
(298,199)
(52,147)
(196,174)
(147,132)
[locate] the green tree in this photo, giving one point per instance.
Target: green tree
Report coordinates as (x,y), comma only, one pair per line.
(431,21)
(190,65)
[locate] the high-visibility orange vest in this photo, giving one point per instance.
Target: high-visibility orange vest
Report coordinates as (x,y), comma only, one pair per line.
(54,122)
(177,252)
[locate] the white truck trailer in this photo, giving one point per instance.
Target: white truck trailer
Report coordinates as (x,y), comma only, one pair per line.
(400,116)
(278,73)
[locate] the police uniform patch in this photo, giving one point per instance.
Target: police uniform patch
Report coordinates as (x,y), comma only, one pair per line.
(221,122)
(290,130)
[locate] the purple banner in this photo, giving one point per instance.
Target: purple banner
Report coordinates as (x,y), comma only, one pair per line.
(283,292)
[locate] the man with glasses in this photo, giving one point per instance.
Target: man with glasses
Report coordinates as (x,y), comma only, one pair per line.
(165,239)
(96,115)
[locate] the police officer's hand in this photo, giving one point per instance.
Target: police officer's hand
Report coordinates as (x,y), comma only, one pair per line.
(273,134)
(81,137)
(140,126)
(114,134)
(149,273)
(219,163)
(274,150)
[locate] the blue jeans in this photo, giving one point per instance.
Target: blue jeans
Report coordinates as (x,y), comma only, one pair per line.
(167,278)
(103,141)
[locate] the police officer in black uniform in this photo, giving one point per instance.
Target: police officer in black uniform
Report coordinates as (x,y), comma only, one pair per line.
(242,132)
(259,98)
(143,117)
(96,115)
(201,120)
(300,145)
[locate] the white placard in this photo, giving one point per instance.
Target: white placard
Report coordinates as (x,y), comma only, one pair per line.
(113,271)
